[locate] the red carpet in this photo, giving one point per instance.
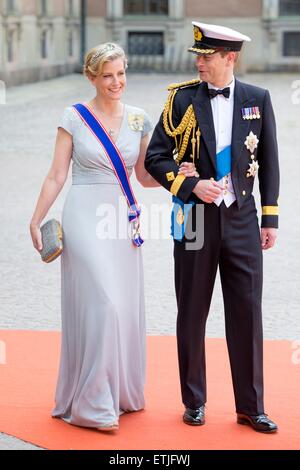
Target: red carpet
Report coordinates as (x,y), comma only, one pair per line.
(27,384)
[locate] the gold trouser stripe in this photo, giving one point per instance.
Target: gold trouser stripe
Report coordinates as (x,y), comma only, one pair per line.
(270,210)
(176,184)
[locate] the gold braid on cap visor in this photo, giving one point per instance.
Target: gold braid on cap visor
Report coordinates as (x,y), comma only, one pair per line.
(201,51)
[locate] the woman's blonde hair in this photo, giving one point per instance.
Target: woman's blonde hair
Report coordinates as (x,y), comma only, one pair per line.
(99,55)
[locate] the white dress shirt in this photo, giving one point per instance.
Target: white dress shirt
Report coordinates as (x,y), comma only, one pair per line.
(222,110)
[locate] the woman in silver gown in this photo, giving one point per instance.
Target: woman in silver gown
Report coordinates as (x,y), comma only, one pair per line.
(102,366)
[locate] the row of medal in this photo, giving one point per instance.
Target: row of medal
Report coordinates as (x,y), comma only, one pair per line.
(251,113)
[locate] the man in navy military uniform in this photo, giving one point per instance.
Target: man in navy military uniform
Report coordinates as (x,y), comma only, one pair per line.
(228,128)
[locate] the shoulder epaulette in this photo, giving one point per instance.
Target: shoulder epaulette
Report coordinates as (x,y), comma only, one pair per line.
(176,86)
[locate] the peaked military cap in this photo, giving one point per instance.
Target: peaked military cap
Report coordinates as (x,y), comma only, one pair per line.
(209,38)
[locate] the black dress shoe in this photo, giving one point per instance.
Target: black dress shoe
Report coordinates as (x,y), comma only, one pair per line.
(260,423)
(194,417)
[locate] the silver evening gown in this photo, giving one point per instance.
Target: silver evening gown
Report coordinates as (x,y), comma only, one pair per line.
(102,365)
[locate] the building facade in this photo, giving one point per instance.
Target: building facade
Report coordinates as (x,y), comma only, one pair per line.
(156,33)
(41,39)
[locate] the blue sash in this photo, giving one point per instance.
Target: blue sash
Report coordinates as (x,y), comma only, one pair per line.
(179,217)
(117,164)
(223,161)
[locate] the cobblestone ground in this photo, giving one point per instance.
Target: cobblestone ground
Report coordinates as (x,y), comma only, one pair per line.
(30,290)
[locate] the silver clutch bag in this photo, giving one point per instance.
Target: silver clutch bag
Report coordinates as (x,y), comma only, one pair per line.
(52,240)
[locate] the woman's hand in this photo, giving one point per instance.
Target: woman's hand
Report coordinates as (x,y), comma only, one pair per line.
(36,237)
(188,169)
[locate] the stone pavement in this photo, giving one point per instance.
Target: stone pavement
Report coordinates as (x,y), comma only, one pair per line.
(30,290)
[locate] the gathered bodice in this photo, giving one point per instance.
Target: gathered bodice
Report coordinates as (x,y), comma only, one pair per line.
(90,163)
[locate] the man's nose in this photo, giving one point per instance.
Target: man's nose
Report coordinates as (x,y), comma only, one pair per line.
(200,60)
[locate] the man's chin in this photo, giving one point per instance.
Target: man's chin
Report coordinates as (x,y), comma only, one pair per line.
(203,76)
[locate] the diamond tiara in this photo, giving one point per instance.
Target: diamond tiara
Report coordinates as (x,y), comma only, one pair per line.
(108,47)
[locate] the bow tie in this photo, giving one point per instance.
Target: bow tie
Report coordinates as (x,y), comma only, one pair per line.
(213,93)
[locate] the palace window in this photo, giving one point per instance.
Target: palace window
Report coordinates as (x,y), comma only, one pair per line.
(10,6)
(146,7)
(145,43)
(291,44)
(44,9)
(71,7)
(44,45)
(289,8)
(70,44)
(10,46)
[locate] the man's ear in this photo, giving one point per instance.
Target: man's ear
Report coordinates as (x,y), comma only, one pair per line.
(231,58)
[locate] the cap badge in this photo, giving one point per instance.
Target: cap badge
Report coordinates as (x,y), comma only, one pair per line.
(197,33)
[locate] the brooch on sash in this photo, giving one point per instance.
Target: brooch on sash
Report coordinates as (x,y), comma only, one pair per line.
(180,216)
(251,144)
(251,113)
(136,122)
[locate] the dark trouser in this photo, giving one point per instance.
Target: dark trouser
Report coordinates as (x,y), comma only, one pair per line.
(232,242)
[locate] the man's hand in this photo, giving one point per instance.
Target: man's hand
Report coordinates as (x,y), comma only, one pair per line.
(207,190)
(268,237)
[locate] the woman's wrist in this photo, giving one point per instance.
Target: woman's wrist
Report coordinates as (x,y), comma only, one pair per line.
(34,224)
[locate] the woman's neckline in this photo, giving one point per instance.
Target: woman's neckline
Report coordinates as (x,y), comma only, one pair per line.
(99,120)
